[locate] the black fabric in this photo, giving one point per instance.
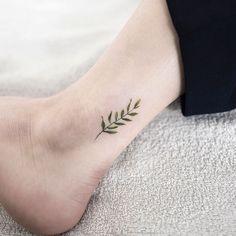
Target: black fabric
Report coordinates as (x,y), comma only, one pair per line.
(207,38)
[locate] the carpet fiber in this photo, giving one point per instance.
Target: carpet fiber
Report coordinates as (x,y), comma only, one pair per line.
(178,177)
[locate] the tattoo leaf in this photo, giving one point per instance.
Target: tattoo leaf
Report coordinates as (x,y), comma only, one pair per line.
(111,126)
(103,124)
(136,105)
(128,107)
(116,116)
(110,132)
(133,114)
(126,119)
(109,117)
(114,127)
(119,123)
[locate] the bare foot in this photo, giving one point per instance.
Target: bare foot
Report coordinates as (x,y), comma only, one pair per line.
(53,151)
(45,184)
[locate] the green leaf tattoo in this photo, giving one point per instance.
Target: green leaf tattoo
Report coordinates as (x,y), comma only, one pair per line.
(125,115)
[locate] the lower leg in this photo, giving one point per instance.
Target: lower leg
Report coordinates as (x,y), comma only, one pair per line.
(50,159)
(143,62)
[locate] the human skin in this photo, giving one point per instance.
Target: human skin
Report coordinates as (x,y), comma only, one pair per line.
(50,161)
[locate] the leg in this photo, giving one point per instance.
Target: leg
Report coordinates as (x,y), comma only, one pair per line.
(50,161)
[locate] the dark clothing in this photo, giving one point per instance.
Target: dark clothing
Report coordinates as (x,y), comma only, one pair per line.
(207,37)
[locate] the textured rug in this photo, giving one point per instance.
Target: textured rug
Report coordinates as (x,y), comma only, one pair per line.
(178,177)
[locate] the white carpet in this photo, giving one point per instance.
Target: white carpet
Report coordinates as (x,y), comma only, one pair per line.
(178,177)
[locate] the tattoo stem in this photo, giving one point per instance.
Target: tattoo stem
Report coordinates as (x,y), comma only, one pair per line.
(99,134)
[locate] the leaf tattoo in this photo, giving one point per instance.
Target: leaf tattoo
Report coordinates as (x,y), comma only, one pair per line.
(109,117)
(119,120)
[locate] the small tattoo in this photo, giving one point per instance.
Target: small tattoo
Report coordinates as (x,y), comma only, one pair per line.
(116,119)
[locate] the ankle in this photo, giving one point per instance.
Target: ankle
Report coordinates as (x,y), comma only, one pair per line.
(62,125)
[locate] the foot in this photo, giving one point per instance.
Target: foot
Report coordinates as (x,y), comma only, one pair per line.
(51,158)
(54,151)
(46,181)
